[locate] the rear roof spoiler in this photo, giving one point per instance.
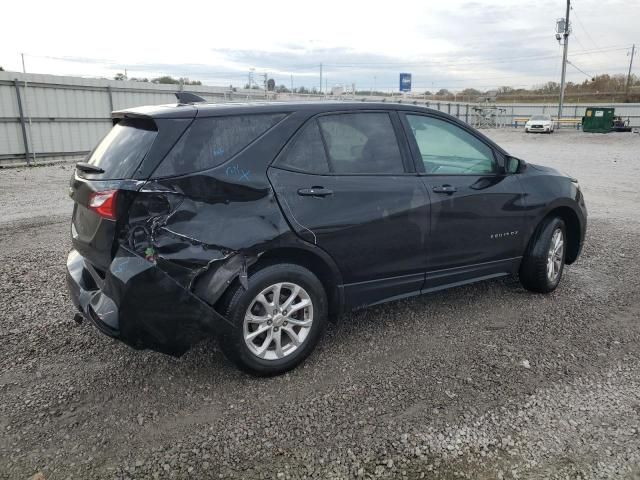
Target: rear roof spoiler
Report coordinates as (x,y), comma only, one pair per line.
(185,98)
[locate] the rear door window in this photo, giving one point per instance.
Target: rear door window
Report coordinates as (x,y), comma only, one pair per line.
(306,152)
(361,143)
(211,141)
(122,149)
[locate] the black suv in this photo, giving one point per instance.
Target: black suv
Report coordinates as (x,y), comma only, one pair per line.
(258,223)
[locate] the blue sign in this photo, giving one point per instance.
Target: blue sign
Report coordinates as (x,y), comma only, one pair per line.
(405,82)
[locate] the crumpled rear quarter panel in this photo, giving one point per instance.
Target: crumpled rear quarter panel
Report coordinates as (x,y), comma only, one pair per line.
(154,310)
(207,228)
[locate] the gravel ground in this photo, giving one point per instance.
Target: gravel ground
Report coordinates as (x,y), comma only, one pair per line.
(484,381)
(48,195)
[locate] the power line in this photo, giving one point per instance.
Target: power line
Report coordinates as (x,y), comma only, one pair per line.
(484,62)
(288,68)
(449,82)
(579,42)
(579,69)
(112,63)
(575,13)
(338,75)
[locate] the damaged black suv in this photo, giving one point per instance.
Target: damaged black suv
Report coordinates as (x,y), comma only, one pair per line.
(258,223)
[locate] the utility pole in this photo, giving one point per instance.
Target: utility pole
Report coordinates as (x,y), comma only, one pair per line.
(565,35)
(626,91)
(320,78)
(291,83)
(266,89)
(26,105)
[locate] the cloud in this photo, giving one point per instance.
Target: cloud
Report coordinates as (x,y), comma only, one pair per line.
(453,44)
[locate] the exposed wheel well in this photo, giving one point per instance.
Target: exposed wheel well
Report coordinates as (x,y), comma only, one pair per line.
(572,223)
(312,262)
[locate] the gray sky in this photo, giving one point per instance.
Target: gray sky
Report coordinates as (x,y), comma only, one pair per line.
(453,44)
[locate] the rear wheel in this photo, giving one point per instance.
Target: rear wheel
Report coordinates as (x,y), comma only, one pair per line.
(542,266)
(277,321)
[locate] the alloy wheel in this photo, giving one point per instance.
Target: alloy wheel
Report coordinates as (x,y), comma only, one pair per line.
(555,256)
(278,321)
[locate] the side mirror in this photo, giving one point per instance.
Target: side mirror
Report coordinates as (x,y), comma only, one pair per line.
(514,165)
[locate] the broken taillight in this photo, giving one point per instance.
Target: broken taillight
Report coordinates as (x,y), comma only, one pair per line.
(104,203)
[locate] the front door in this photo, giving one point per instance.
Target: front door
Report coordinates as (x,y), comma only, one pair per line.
(476,207)
(343,185)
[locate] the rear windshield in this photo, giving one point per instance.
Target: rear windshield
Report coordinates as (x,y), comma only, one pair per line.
(211,141)
(122,149)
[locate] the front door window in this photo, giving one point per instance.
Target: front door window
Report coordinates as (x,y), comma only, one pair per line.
(447,149)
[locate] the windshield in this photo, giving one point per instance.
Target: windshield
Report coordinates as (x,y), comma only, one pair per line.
(122,149)
(541,117)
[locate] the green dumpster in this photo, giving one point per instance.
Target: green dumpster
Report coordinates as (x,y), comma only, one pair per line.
(598,119)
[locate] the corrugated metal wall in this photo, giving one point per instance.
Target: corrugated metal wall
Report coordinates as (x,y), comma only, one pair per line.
(66,116)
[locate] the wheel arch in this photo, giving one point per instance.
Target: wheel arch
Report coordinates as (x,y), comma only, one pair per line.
(573,230)
(321,266)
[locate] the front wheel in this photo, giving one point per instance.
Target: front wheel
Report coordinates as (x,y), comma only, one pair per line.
(277,321)
(543,263)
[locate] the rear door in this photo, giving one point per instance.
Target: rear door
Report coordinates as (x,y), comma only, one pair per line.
(345,184)
(476,219)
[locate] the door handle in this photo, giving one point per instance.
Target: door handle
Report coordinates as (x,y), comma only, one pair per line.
(448,189)
(315,192)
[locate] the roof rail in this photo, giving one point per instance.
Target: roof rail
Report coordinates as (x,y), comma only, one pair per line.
(185,98)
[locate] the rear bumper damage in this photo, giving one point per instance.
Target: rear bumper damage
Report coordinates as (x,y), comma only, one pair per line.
(140,304)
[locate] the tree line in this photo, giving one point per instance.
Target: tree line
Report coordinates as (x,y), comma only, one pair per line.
(163,80)
(604,85)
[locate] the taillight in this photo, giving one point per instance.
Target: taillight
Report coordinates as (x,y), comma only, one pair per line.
(104,203)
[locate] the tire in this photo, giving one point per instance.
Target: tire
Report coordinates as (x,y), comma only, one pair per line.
(535,268)
(250,355)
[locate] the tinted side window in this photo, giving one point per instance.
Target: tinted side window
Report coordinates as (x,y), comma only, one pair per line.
(306,153)
(123,148)
(361,143)
(446,148)
(211,141)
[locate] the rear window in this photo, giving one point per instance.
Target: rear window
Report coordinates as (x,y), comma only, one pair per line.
(211,141)
(123,148)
